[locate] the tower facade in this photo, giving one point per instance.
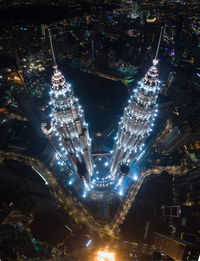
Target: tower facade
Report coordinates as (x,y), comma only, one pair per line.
(137,121)
(69,126)
(68,131)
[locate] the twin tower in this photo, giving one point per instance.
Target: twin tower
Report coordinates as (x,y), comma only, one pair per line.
(69,133)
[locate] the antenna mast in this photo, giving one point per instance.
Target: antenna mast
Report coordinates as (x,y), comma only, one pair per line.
(52,51)
(158,47)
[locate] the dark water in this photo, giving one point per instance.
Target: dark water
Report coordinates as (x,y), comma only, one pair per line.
(102,100)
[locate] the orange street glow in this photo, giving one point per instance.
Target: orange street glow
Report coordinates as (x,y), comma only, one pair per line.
(105,256)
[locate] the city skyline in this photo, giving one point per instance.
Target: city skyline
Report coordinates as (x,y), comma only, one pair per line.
(99,124)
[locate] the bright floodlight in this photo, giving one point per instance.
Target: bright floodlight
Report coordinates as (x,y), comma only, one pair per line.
(105,256)
(121,193)
(135,177)
(106,164)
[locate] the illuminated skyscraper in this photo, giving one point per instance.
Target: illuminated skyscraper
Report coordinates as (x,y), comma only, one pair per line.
(137,121)
(69,132)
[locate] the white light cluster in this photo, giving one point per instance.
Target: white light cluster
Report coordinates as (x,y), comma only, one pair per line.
(102,182)
(86,189)
(59,160)
(140,155)
(119,181)
(121,193)
(105,256)
(137,122)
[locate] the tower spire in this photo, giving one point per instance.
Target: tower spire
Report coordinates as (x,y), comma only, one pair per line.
(137,121)
(158,47)
(52,51)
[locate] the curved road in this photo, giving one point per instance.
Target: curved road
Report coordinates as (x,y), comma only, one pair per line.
(112,228)
(75,209)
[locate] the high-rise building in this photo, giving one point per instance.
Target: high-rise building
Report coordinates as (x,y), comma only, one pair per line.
(137,122)
(69,131)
